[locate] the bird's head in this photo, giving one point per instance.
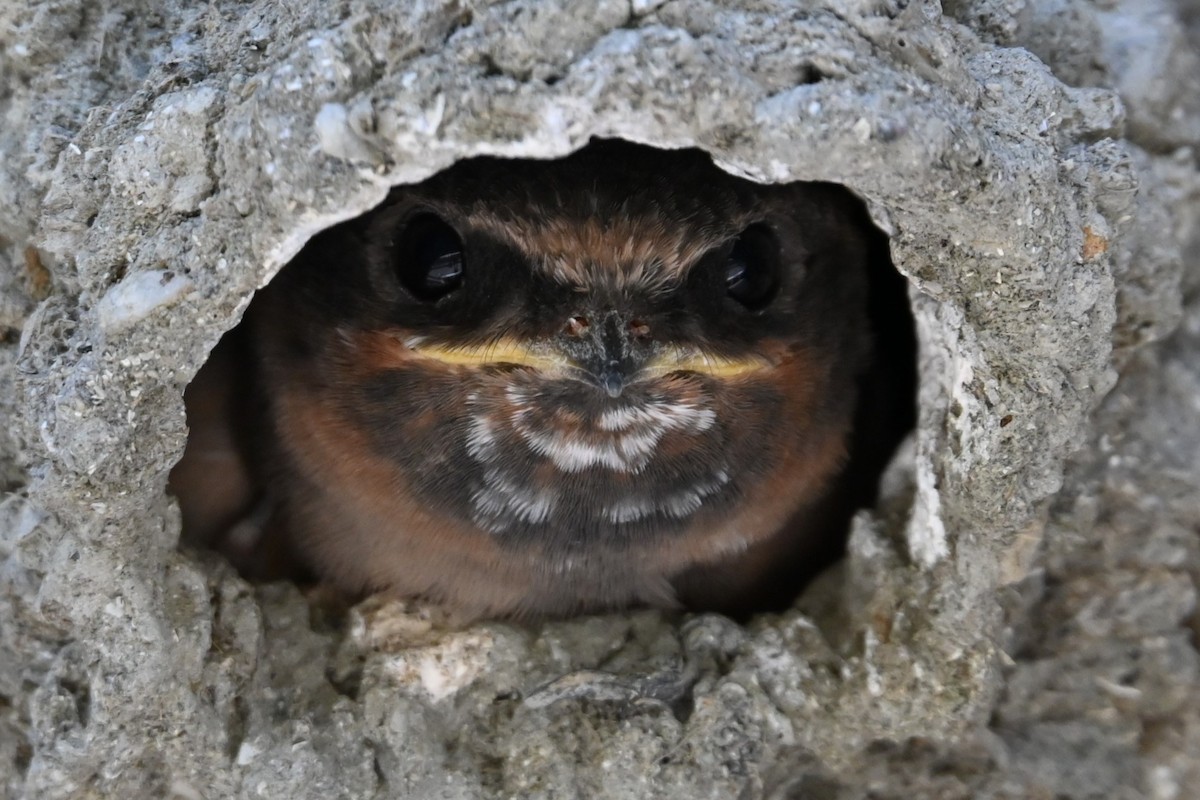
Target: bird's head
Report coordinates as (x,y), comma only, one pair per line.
(605,351)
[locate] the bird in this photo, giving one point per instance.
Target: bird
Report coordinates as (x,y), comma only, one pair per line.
(538,388)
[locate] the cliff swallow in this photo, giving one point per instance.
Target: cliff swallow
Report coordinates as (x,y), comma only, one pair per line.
(529,388)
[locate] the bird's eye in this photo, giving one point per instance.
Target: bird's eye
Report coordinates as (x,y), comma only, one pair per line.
(429,258)
(752,269)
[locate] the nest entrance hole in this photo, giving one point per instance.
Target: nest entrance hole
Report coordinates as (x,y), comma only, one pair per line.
(224,482)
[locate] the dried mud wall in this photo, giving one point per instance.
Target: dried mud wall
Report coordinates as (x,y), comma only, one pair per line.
(1017,618)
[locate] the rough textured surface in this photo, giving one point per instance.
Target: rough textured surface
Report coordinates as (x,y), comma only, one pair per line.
(1018,619)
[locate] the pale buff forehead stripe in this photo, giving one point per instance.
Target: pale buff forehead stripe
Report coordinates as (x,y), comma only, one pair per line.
(643,250)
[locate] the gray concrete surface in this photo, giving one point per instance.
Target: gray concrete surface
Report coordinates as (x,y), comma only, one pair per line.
(1017,619)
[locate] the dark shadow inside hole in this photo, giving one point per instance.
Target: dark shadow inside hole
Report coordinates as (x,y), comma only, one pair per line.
(392,376)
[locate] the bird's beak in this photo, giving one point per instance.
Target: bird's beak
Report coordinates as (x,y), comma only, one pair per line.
(614,356)
(608,357)
(608,353)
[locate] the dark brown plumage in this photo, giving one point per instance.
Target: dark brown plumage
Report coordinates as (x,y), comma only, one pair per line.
(540,388)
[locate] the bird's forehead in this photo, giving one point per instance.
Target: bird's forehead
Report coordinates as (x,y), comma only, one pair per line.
(625,221)
(612,245)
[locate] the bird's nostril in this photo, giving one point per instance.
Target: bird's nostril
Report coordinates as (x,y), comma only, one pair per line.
(639,329)
(576,326)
